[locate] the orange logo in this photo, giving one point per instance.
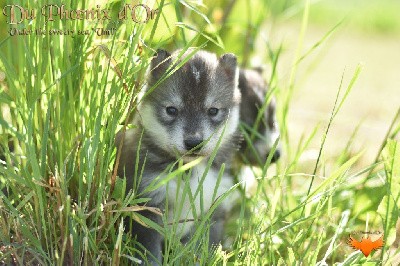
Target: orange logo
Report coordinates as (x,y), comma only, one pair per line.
(366,245)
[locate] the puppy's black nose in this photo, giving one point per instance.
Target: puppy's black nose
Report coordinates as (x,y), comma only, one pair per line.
(276,156)
(193,143)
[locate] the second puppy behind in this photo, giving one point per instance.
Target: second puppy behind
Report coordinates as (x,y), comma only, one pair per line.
(258,118)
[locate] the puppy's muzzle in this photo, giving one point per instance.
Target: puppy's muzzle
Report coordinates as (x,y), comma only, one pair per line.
(276,156)
(193,144)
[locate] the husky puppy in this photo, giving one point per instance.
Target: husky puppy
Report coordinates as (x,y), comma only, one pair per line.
(254,89)
(184,117)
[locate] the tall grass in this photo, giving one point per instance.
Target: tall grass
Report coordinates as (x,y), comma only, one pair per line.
(64,98)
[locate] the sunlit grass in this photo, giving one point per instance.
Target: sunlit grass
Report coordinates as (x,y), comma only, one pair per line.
(63,100)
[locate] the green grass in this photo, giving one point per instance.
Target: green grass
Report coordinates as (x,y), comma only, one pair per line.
(63,100)
(369,17)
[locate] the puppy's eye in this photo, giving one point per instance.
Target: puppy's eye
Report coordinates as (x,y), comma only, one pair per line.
(213,111)
(172,111)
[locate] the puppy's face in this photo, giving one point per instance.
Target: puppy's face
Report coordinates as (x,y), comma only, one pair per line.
(265,131)
(186,113)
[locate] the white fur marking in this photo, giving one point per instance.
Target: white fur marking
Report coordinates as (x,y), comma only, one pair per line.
(196,74)
(151,125)
(271,136)
(182,198)
(231,126)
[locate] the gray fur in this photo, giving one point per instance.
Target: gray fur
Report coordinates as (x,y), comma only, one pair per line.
(254,89)
(202,83)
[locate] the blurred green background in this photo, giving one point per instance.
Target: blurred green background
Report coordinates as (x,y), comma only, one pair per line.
(312,51)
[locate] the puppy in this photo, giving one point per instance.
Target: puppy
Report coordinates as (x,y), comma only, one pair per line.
(192,111)
(254,91)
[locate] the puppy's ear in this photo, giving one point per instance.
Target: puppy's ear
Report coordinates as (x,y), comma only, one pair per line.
(228,62)
(160,63)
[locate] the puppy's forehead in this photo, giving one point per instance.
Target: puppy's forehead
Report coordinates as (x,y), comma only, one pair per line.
(196,77)
(189,82)
(199,83)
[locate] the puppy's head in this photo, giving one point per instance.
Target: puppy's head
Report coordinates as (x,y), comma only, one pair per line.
(263,133)
(187,112)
